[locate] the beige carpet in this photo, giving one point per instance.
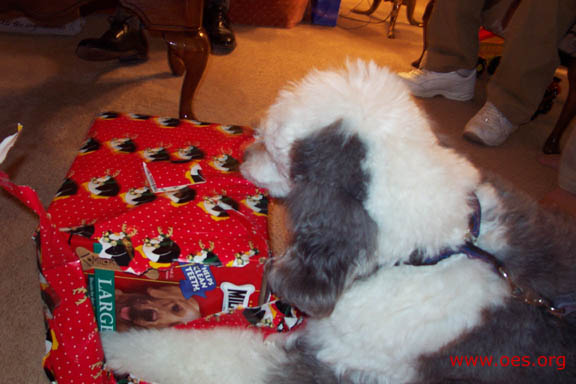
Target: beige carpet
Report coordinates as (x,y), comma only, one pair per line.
(55,96)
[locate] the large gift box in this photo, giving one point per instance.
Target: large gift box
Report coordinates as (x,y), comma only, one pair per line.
(153,227)
(269,13)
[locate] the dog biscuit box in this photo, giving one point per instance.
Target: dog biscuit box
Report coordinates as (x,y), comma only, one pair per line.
(153,227)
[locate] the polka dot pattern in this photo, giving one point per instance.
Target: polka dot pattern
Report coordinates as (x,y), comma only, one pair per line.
(75,354)
(106,193)
(207,218)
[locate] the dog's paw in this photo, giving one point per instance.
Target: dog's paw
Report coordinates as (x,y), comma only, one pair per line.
(145,354)
(117,351)
(234,356)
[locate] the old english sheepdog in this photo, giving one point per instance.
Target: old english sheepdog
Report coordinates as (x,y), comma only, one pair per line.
(412,266)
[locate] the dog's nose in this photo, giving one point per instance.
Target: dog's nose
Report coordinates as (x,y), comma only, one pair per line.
(256,146)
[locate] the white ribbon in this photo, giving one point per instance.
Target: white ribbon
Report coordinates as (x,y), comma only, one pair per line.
(8,143)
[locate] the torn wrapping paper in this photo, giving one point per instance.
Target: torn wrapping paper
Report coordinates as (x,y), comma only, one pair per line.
(153,226)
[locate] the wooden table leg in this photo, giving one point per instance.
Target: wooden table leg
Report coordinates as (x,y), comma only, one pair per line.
(552,144)
(393,17)
(188,54)
(369,11)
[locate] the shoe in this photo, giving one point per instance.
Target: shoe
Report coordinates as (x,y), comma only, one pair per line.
(217,25)
(451,85)
(124,41)
(489,127)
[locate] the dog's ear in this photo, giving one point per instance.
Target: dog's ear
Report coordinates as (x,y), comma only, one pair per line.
(333,240)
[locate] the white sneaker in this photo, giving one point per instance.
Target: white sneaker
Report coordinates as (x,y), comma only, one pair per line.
(489,126)
(451,85)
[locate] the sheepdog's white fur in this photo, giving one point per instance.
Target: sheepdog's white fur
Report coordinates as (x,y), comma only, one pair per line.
(389,314)
(200,356)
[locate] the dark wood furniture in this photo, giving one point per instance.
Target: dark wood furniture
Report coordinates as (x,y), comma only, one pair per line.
(552,143)
(179,22)
(393,15)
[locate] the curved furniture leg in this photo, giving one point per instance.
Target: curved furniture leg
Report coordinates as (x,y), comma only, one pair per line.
(188,53)
(552,144)
(176,64)
(393,17)
(370,10)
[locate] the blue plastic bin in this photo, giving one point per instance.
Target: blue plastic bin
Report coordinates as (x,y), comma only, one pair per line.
(325,12)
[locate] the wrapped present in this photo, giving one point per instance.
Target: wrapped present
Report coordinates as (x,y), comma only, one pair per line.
(269,13)
(153,226)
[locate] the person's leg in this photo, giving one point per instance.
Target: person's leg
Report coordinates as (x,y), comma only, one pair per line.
(530,56)
(448,65)
(452,35)
(217,25)
(528,62)
(124,40)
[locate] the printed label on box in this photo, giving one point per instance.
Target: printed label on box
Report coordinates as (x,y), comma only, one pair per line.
(199,279)
(236,295)
(103,298)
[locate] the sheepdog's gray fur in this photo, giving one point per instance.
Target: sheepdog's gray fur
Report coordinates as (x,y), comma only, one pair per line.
(329,222)
(302,366)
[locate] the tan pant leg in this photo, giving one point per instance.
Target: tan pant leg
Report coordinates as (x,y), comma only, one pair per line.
(567,173)
(452,34)
(530,56)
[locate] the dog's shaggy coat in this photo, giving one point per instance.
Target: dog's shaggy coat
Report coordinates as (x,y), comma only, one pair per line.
(371,195)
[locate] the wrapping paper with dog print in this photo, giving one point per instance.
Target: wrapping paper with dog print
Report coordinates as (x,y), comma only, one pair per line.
(152,208)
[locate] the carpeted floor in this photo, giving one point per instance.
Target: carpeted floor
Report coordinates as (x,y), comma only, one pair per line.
(56,95)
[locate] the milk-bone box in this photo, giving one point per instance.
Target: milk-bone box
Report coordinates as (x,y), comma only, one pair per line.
(153,227)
